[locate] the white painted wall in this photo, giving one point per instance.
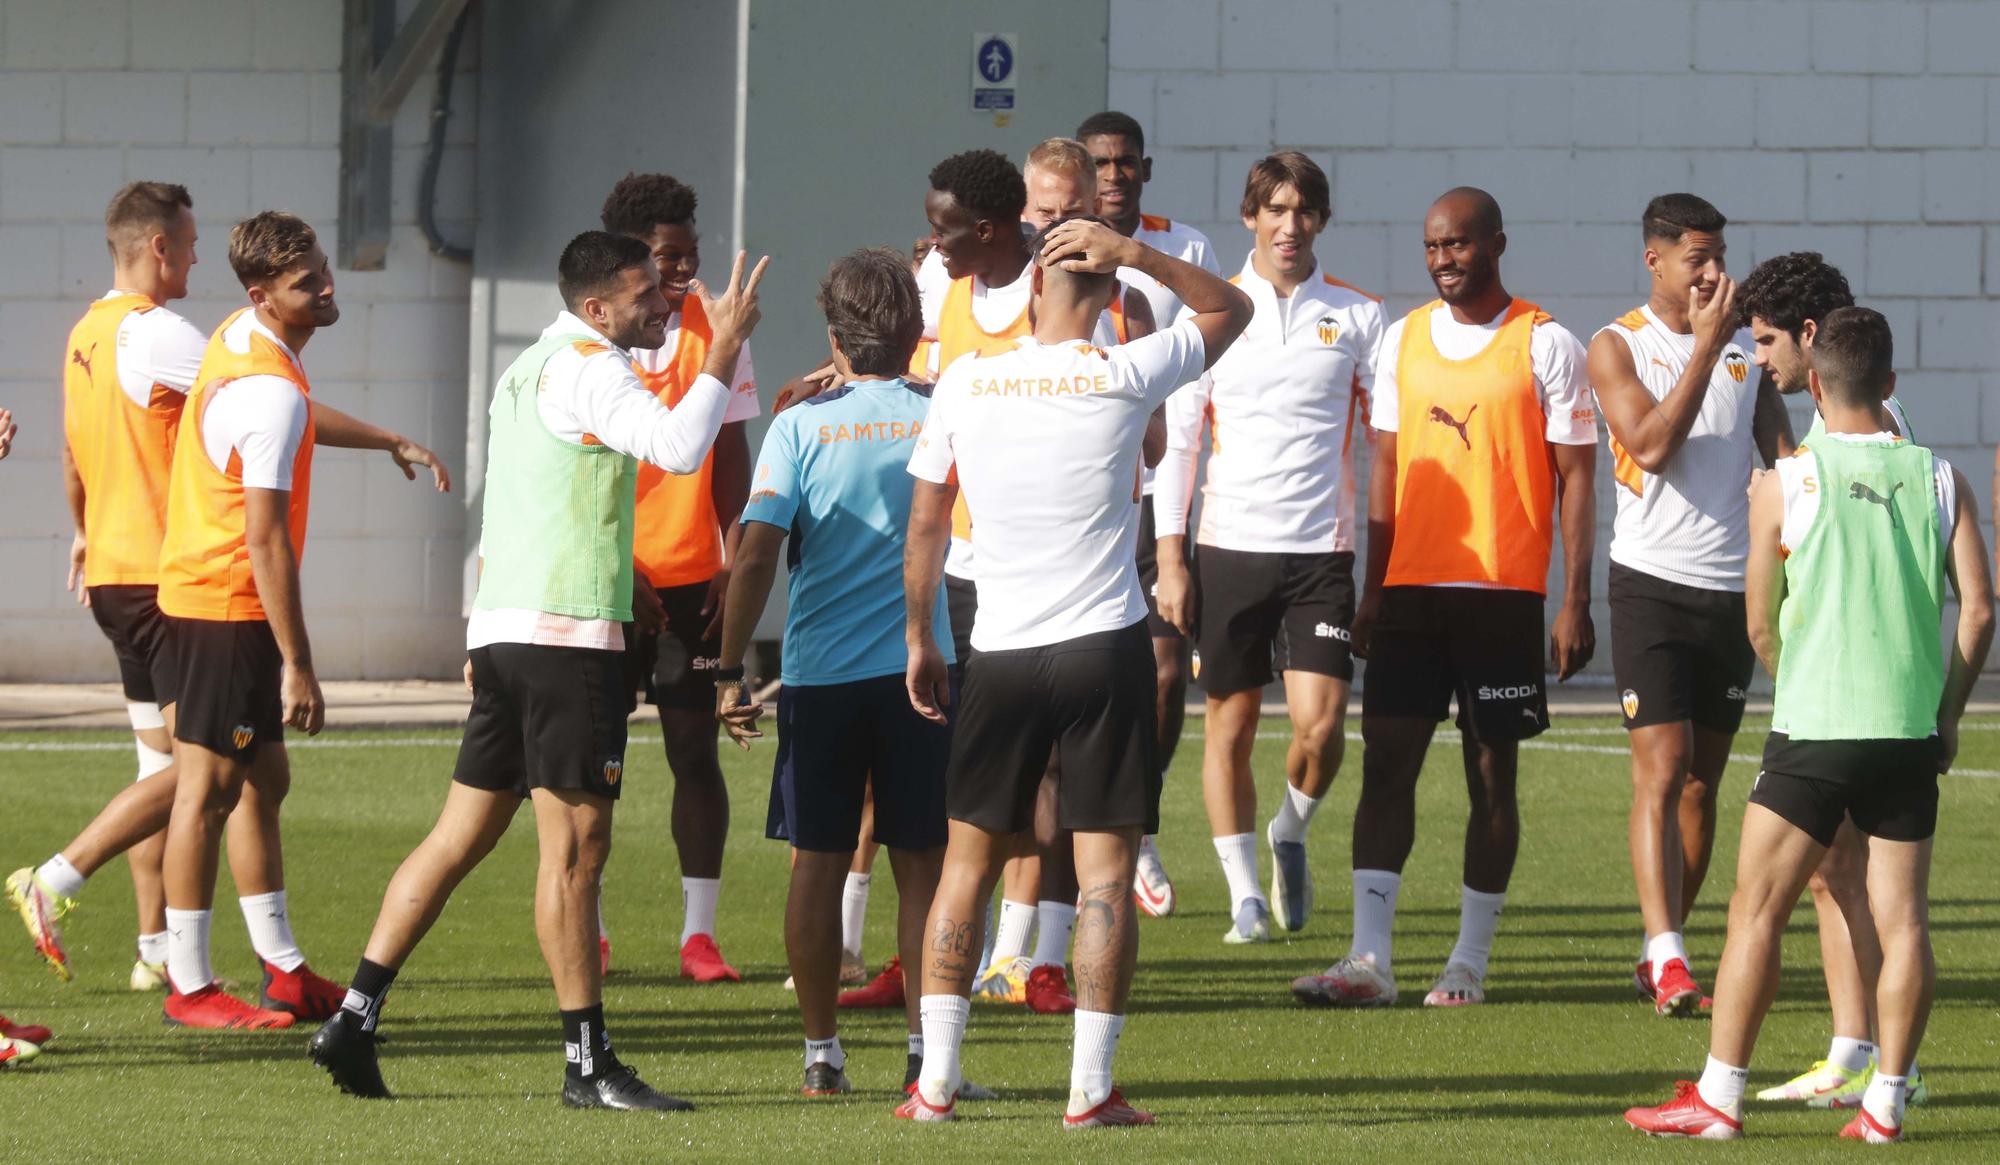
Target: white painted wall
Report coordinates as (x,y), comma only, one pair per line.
(1866,131)
(239,101)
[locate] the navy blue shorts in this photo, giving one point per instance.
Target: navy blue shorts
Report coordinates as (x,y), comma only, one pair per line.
(832,738)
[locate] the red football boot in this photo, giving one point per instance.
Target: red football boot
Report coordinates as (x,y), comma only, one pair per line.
(302,993)
(1048,991)
(1686,1115)
(212,1007)
(884,991)
(27,1033)
(702,961)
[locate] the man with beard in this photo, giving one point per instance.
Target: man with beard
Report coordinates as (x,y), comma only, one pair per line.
(570,422)
(236,513)
(1486,440)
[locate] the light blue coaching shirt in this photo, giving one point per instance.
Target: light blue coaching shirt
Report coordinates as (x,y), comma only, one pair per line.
(834,472)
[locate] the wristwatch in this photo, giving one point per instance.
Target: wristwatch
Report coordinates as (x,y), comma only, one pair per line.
(729,675)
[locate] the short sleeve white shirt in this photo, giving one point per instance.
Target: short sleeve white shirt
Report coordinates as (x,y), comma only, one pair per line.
(1043,441)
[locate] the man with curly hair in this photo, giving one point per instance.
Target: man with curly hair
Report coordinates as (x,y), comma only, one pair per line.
(684,539)
(1782,302)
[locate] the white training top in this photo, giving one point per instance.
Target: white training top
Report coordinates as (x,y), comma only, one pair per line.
(1690,523)
(743,404)
(1176,239)
(1798,478)
(156,349)
(1043,441)
(1280,407)
(599,397)
(994,309)
(1559,365)
(1185,243)
(262,418)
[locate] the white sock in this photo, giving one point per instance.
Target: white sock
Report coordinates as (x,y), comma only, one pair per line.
(827,1051)
(151,760)
(1017,926)
(1295,812)
(1375,914)
(916,1043)
(1721,1087)
(1662,948)
(1055,921)
(271,930)
(60,877)
(1149,850)
(1885,1098)
(1478,919)
(698,898)
(187,949)
(602,930)
(943,1017)
(1090,1058)
(153,948)
(1853,1055)
(1238,852)
(853,912)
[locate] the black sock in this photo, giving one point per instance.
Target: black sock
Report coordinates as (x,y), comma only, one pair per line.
(586,1045)
(363,1004)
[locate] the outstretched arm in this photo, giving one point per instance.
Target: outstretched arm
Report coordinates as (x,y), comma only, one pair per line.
(341,431)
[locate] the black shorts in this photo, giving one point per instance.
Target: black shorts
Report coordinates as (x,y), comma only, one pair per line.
(961,600)
(130,618)
(1483,646)
(1678,652)
(228,693)
(544,718)
(675,668)
(1092,699)
(1889,787)
(1149,572)
(832,739)
(1260,611)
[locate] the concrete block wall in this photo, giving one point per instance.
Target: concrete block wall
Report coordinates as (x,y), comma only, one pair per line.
(1869,131)
(239,101)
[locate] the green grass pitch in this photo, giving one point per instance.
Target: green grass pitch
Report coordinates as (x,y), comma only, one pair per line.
(1215,1046)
